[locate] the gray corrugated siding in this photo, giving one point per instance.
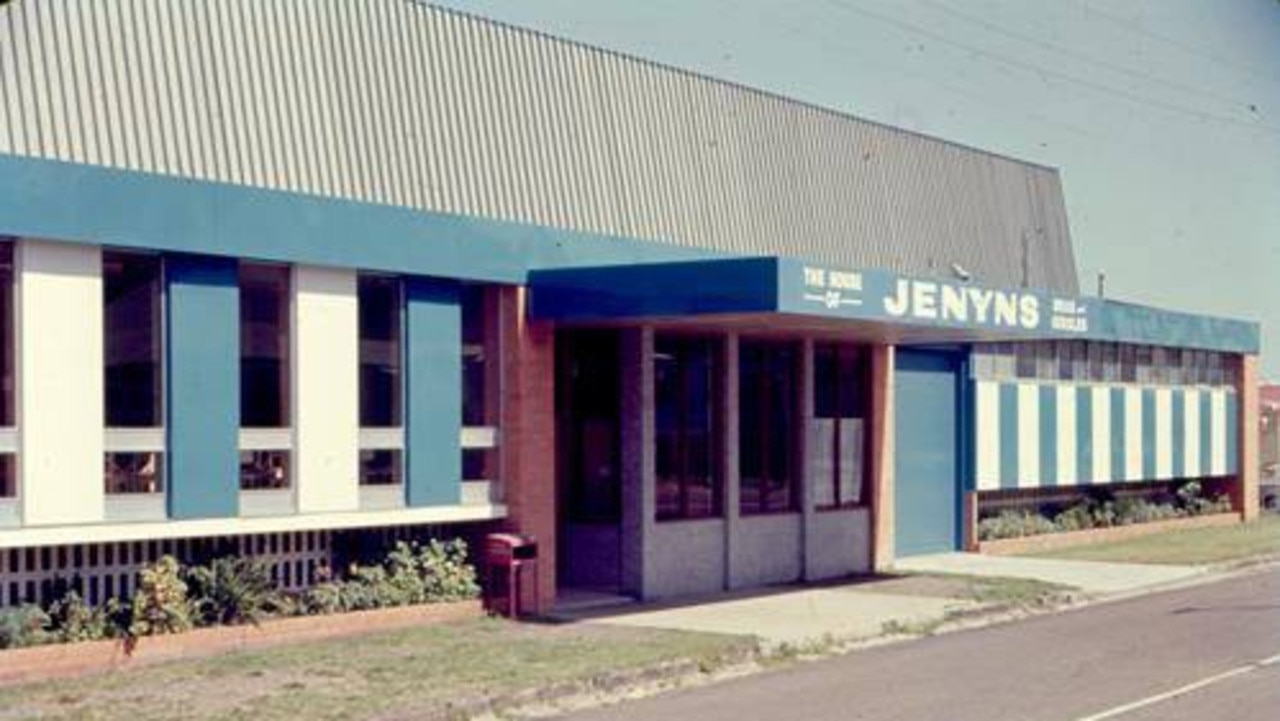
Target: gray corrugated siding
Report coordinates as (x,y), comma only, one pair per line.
(390,101)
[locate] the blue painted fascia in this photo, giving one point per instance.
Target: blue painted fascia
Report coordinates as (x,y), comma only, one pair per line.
(129,209)
(736,285)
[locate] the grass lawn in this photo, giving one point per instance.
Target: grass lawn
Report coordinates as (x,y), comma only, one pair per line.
(402,674)
(1197,546)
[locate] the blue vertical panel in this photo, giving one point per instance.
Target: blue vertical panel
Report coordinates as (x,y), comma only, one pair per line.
(1179,430)
(927,402)
(433,392)
(1117,434)
(1049,436)
(1206,433)
(1008,435)
(1233,433)
(1084,435)
(1148,433)
(202,374)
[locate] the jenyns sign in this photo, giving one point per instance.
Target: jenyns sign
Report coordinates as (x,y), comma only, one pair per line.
(882,295)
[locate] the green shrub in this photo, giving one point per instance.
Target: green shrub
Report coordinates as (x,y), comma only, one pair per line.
(230,591)
(160,605)
(446,573)
(72,620)
(1077,518)
(1014,524)
(23,626)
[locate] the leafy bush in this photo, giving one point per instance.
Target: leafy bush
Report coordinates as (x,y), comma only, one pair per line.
(23,626)
(411,574)
(160,605)
(1014,524)
(230,591)
(447,574)
(71,620)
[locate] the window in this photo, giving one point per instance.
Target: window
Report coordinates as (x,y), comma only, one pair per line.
(480,380)
(133,383)
(1145,364)
(8,378)
(685,402)
(1128,363)
(1026,360)
(265,292)
(588,406)
(840,403)
(767,427)
(381,301)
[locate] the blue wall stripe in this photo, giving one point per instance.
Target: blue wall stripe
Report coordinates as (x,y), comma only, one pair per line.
(1206,433)
(1008,435)
(1233,433)
(1148,433)
(1049,436)
(433,392)
(1117,434)
(1179,433)
(1084,435)
(203,386)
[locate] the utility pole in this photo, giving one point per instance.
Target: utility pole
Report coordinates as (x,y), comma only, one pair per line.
(1102,284)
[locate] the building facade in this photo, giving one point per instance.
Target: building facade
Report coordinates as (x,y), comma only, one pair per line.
(280,276)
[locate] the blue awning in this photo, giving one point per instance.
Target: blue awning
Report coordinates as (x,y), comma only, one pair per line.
(706,289)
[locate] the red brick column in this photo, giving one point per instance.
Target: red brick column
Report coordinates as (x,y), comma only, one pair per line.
(1245,498)
(528,442)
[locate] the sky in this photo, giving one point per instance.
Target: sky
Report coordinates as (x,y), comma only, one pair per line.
(1163,117)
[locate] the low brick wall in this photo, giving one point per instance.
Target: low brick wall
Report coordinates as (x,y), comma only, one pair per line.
(44,663)
(1051,541)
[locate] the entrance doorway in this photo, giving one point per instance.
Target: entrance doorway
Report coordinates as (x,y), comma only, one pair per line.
(589,463)
(927,466)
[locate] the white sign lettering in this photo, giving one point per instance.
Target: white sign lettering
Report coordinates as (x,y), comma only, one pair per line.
(929,300)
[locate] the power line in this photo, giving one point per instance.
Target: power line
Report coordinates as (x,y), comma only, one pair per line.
(1160,153)
(1201,115)
(1064,50)
(1133,27)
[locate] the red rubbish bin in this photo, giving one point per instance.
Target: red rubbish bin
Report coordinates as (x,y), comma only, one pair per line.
(511,561)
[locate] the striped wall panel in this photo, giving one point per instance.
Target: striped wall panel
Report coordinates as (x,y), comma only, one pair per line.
(1032,435)
(397,102)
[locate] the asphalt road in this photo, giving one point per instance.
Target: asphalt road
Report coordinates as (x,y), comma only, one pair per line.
(1208,652)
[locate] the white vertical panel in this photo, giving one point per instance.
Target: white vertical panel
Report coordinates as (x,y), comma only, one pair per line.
(987,432)
(326,361)
(1190,440)
(1028,435)
(1132,434)
(1164,433)
(60,387)
(1100,428)
(1218,432)
(1067,472)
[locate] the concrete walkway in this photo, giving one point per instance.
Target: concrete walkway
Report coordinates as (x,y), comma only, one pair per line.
(1089,576)
(866,608)
(789,615)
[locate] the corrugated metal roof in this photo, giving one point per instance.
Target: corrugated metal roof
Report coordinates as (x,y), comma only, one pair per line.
(393,101)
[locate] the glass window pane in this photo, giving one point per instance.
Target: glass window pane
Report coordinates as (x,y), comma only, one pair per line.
(479,353)
(131,338)
(766,447)
(264,470)
(8,476)
(380,468)
(7,377)
(1128,364)
(381,351)
(1026,363)
(685,414)
(264,346)
(128,473)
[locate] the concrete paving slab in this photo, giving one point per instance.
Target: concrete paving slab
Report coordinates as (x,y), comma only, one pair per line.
(796,616)
(1088,576)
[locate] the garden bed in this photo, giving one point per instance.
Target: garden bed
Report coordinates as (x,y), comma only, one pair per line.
(41,663)
(1064,539)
